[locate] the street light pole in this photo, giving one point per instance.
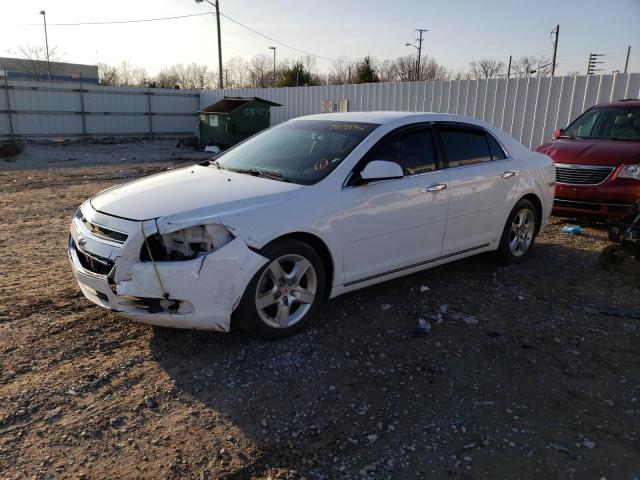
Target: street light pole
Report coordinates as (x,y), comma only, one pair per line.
(274,65)
(217,6)
(46,42)
(417,67)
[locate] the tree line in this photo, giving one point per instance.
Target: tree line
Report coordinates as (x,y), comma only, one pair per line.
(258,72)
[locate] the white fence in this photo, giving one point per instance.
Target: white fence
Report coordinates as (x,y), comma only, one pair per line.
(35,109)
(529,109)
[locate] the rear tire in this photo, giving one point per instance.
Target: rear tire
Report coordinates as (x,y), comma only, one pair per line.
(519,234)
(285,294)
(611,257)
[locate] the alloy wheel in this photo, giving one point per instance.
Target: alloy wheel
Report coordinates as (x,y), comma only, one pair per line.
(522,232)
(286,291)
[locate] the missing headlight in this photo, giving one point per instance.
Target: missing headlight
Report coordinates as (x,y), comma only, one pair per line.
(185,244)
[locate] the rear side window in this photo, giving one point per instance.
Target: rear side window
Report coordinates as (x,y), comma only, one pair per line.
(465,146)
(497,153)
(412,151)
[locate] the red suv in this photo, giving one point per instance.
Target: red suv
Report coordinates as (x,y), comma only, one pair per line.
(598,162)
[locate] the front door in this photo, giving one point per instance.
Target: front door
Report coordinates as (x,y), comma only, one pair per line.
(393,224)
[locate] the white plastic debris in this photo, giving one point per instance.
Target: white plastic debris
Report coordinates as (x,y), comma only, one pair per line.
(470,320)
(424,288)
(424,326)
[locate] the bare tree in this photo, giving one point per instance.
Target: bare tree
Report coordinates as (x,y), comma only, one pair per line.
(197,77)
(131,76)
(33,60)
(107,74)
(526,67)
(168,77)
(189,77)
(342,71)
(235,72)
(260,71)
(404,69)
(486,68)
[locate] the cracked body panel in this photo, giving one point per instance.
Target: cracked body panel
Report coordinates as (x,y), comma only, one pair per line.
(202,292)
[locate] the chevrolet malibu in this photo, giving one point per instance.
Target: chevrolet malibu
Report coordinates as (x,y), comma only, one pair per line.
(306,211)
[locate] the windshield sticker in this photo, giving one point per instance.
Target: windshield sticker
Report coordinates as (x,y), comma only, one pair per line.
(348,127)
(321,164)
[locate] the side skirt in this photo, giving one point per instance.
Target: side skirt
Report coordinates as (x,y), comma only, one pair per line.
(416,267)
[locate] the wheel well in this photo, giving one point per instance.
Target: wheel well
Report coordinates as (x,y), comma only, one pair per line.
(537,204)
(323,251)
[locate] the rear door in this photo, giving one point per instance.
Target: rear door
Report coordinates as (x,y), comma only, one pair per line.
(482,182)
(390,225)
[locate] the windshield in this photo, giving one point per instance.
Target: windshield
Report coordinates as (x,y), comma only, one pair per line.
(614,123)
(303,151)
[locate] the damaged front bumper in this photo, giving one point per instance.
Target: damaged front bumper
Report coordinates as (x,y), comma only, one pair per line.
(199,293)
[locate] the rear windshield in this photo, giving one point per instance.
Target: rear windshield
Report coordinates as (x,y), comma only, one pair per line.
(303,151)
(615,123)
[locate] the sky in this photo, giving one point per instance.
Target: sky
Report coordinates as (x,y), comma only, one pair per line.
(460,31)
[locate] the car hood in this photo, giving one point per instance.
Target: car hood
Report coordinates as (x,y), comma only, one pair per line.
(188,189)
(592,152)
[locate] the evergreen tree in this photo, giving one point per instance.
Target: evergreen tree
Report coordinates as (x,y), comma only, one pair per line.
(296,76)
(365,72)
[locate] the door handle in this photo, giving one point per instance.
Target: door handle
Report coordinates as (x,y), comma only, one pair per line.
(507,174)
(436,187)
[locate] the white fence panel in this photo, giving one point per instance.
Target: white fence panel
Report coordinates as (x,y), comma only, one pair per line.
(528,109)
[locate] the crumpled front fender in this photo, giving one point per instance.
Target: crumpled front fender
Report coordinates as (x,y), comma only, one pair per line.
(209,288)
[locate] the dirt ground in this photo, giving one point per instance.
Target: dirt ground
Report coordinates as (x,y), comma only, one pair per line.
(467,371)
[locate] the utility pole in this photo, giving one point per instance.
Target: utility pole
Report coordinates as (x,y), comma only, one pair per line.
(555,49)
(626,62)
(418,48)
(46,42)
(219,44)
(274,65)
(217,5)
(509,67)
(593,61)
(421,31)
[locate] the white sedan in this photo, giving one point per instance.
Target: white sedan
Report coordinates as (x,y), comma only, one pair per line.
(306,211)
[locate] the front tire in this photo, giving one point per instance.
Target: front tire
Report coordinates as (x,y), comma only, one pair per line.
(285,294)
(519,234)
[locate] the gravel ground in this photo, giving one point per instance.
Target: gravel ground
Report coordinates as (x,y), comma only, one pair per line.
(469,370)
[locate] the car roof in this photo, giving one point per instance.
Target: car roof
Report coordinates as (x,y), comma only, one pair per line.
(365,117)
(389,117)
(393,119)
(620,103)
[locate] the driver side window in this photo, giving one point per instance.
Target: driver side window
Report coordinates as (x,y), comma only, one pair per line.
(413,151)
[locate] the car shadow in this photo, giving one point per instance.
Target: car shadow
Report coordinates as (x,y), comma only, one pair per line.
(360,368)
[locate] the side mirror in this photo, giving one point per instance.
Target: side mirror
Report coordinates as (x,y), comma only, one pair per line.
(381,170)
(556,133)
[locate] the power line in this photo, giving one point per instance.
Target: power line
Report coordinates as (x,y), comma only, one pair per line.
(113,22)
(143,20)
(568,56)
(278,41)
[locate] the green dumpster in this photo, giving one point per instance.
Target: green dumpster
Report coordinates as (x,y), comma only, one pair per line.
(232,119)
